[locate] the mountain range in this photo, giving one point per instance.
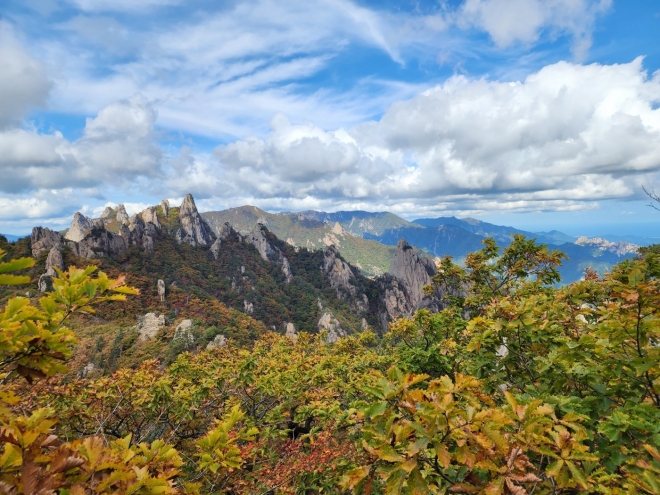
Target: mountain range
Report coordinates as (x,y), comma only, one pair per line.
(367,239)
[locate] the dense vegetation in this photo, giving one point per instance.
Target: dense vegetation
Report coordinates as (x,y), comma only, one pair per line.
(516,387)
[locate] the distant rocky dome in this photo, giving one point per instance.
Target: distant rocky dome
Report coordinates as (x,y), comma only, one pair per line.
(619,248)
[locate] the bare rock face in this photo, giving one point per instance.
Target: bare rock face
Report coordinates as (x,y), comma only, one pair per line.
(148,244)
(45,283)
(161,289)
(80,227)
(215,248)
(165,205)
(258,239)
(108,213)
(121,215)
(54,260)
(413,271)
(219,341)
(149,216)
(329,323)
(291,332)
(249,307)
(339,272)
(286,269)
(149,324)
(99,242)
(194,230)
(226,231)
(43,239)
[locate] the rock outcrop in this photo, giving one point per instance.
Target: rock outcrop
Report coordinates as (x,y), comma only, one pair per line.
(54,260)
(219,341)
(328,323)
(99,242)
(149,216)
(184,333)
(619,248)
(249,307)
(338,271)
(80,227)
(161,289)
(165,205)
(43,239)
(413,271)
(291,332)
(194,230)
(149,324)
(121,215)
(258,239)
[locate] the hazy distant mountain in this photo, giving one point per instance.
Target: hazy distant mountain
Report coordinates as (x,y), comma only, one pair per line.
(498,232)
(11,238)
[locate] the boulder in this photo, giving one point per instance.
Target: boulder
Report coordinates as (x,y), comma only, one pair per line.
(43,239)
(194,230)
(80,227)
(149,324)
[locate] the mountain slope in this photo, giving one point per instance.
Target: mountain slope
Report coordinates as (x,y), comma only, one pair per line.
(300,230)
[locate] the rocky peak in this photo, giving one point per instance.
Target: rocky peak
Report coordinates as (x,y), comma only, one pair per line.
(149,216)
(43,239)
(194,230)
(165,205)
(338,271)
(258,239)
(413,271)
(121,215)
(80,227)
(108,213)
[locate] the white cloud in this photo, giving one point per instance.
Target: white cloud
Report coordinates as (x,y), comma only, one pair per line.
(117,147)
(23,81)
(513,21)
(565,136)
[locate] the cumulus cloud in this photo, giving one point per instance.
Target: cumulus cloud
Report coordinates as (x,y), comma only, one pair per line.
(564,136)
(23,81)
(117,147)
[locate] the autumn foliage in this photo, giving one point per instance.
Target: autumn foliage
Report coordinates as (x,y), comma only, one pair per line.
(516,387)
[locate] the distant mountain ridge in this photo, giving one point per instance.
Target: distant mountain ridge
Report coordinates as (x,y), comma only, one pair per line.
(366,239)
(11,238)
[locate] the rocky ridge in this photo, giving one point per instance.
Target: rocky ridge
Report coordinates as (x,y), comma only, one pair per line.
(395,294)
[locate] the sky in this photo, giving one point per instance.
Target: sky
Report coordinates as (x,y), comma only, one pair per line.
(542,114)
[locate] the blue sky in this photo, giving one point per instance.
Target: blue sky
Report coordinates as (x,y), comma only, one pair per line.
(538,114)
